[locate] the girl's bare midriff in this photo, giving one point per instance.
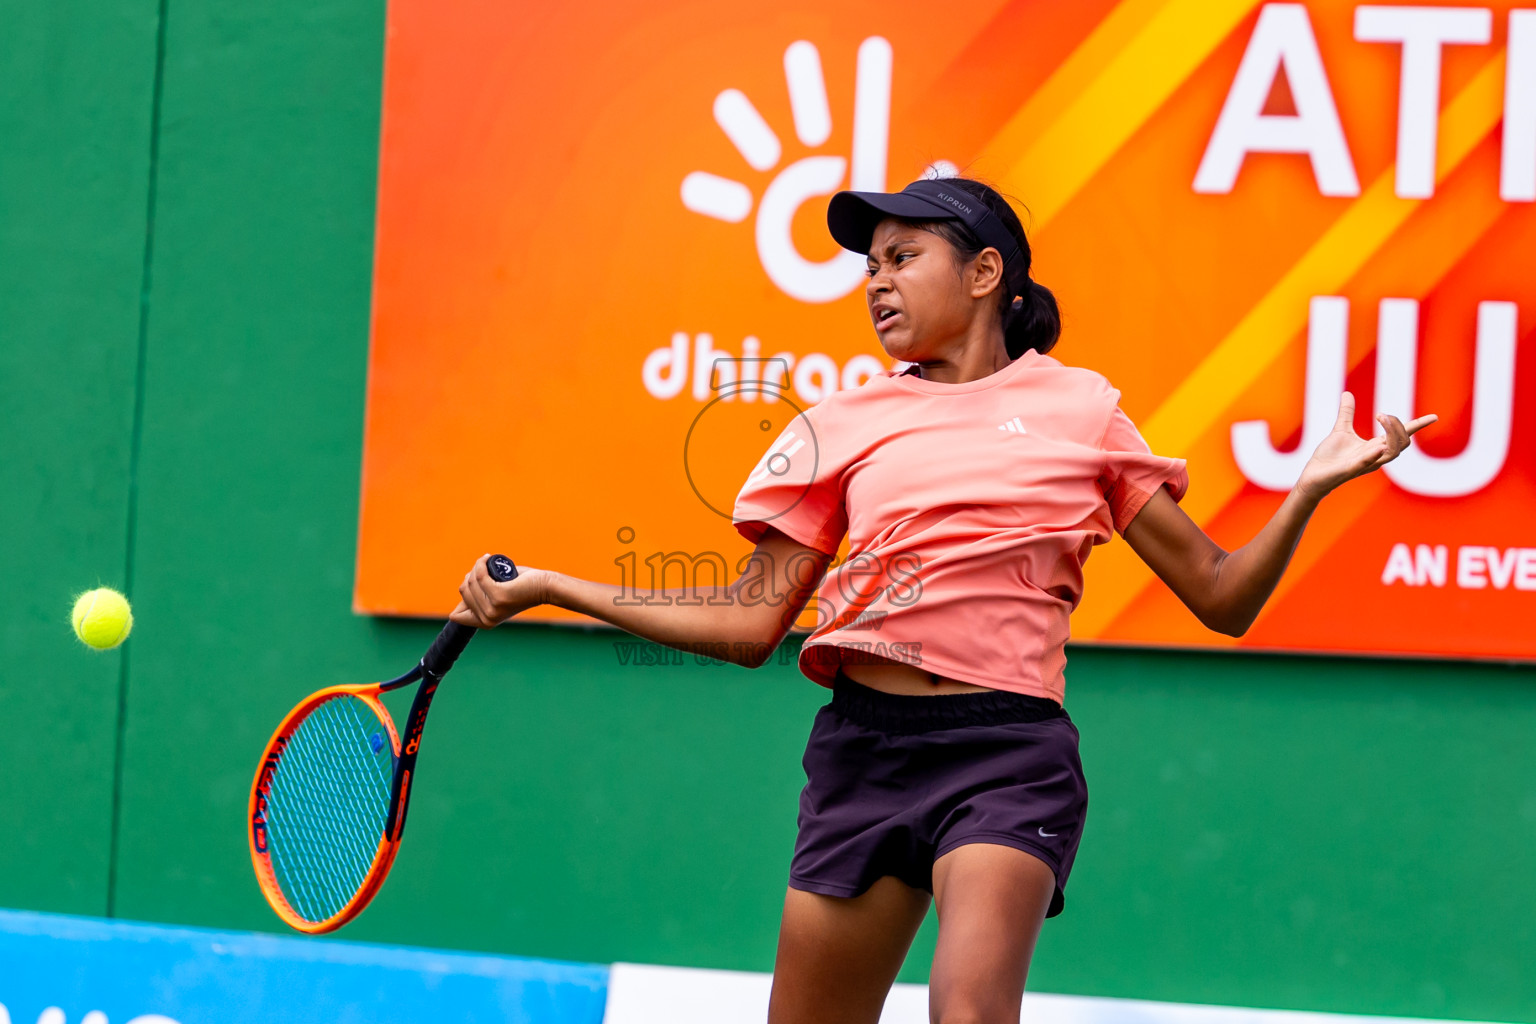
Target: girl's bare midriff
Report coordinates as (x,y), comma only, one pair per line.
(895,677)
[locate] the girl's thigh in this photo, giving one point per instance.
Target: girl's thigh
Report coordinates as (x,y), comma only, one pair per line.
(838,956)
(991,901)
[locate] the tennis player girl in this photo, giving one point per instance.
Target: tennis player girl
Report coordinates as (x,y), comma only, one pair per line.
(972,486)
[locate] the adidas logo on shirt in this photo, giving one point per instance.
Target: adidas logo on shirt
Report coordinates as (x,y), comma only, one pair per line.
(1014,426)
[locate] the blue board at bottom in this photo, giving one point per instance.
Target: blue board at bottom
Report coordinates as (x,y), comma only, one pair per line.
(73,970)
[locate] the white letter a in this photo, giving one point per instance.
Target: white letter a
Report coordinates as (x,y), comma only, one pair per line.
(1282,38)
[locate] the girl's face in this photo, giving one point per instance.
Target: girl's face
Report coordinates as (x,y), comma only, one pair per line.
(920,300)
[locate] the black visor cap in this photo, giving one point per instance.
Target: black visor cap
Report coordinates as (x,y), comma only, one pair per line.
(853,216)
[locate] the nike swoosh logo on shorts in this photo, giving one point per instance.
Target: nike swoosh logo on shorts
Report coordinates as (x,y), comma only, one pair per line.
(1043,832)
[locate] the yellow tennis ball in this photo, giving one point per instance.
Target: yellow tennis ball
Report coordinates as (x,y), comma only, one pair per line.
(102,618)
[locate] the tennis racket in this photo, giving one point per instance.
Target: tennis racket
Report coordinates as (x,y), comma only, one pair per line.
(328,803)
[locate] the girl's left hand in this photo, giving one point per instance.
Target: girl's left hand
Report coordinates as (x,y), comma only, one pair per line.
(1344,454)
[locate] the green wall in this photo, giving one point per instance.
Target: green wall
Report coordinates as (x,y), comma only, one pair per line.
(1264,831)
(76,85)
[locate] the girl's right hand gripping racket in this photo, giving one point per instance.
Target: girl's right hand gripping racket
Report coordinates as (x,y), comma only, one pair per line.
(328,803)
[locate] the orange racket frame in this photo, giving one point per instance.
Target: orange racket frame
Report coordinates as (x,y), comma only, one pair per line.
(261,858)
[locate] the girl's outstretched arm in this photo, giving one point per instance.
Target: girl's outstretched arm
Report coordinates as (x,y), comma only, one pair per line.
(1227,589)
(742,622)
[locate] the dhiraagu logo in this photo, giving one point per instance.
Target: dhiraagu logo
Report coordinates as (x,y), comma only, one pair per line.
(772,194)
(730,200)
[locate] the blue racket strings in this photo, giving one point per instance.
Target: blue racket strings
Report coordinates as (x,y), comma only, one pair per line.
(327,804)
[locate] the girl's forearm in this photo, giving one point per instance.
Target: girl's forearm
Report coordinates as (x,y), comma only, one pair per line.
(1247,576)
(700,620)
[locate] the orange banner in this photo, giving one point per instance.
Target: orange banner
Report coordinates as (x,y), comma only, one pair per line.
(592,215)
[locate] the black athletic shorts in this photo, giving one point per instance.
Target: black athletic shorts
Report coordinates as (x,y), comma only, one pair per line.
(894,782)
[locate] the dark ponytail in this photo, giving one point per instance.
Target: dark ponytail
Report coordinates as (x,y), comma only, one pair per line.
(1034,323)
(1031,320)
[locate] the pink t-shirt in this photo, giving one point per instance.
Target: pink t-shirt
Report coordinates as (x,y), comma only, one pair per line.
(969,508)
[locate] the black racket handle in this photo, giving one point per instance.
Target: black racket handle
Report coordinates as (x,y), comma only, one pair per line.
(450,643)
(445,650)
